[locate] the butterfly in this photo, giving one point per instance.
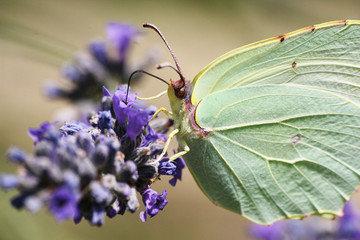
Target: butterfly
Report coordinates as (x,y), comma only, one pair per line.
(271,130)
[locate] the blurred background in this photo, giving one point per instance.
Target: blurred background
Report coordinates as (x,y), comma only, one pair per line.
(37,36)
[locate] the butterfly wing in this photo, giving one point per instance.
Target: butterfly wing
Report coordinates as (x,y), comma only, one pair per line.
(277,151)
(325,56)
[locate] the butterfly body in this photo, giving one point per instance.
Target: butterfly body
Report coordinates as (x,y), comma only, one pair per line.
(273,128)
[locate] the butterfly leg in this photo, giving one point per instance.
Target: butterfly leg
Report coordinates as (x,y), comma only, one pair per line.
(161,110)
(153,97)
(185,149)
(171,135)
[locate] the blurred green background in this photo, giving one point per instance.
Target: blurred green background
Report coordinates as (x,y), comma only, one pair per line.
(36,36)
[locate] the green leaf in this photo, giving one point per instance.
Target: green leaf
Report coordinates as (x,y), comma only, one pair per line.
(276,151)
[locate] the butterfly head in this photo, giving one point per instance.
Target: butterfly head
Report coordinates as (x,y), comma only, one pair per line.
(179,87)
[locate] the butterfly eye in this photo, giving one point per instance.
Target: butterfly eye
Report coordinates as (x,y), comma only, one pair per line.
(181,93)
(179,88)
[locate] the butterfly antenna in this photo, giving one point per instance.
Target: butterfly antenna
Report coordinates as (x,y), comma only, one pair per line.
(166,64)
(141,71)
(149,25)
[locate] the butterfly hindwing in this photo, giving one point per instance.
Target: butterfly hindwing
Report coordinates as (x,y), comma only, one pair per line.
(277,151)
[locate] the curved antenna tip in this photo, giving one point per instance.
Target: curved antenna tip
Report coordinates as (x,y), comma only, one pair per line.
(149,25)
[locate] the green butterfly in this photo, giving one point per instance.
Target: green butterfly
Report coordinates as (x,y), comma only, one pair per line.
(272,130)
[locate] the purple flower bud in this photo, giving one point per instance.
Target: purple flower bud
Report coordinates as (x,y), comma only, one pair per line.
(118,162)
(122,189)
(100,193)
(28,182)
(54,174)
(93,71)
(98,216)
(44,149)
(77,216)
(73,73)
(133,203)
(18,201)
(85,142)
(53,91)
(9,181)
(71,180)
(123,206)
(33,204)
(98,50)
(101,155)
(16,155)
(113,210)
(128,172)
(108,181)
(105,120)
(72,128)
(38,166)
(86,169)
(107,104)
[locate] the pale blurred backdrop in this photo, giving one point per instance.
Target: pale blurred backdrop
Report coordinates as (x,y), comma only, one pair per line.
(36,36)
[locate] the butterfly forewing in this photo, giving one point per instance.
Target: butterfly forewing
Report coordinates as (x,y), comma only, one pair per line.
(325,56)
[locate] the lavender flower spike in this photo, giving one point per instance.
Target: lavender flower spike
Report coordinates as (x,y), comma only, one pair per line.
(93,169)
